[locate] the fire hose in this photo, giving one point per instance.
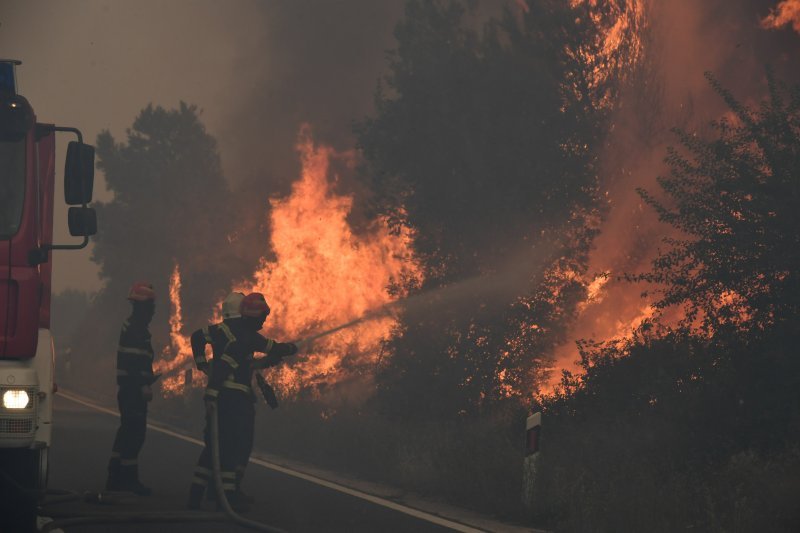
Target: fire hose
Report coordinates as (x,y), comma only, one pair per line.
(215,463)
(70,519)
(64,519)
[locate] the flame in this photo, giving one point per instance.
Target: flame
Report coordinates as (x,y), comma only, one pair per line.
(785,13)
(323,274)
(594,291)
(619,45)
(608,313)
(178,354)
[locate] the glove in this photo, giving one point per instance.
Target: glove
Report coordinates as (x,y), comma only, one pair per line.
(147,393)
(267,391)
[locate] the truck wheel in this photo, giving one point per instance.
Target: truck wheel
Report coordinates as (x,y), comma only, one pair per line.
(26,468)
(41,459)
(19,468)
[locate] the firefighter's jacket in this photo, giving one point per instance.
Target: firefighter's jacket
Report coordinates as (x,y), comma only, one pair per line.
(134,355)
(218,336)
(233,369)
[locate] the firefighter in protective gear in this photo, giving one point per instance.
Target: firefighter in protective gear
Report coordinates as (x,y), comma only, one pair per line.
(218,336)
(134,378)
(230,387)
(213,334)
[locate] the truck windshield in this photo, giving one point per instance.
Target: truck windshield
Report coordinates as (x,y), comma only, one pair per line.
(12,186)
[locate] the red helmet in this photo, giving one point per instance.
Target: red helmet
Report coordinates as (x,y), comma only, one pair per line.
(141,291)
(254,305)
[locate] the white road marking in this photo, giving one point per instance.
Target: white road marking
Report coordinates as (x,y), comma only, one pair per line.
(422,515)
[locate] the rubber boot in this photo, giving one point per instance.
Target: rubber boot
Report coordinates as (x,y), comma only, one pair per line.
(129,481)
(112,482)
(242,495)
(236,502)
(211,494)
(196,492)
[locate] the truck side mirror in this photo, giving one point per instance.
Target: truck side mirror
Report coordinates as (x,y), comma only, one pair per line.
(82,221)
(78,175)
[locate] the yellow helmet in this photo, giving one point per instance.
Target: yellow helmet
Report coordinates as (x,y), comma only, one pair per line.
(231,304)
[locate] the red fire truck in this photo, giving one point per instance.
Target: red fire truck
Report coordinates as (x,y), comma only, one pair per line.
(27,179)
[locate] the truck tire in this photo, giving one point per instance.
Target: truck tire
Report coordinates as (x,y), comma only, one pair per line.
(19,474)
(41,460)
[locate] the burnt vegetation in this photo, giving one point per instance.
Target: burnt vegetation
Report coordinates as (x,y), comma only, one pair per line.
(698,425)
(486,142)
(483,143)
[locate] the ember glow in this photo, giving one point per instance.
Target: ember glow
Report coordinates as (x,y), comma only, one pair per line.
(599,319)
(619,45)
(323,275)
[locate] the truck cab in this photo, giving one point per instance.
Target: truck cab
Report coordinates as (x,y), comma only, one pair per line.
(27,186)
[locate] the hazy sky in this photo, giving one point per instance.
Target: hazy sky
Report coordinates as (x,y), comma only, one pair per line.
(256,69)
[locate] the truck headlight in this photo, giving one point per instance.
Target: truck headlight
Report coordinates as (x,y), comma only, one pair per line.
(16,399)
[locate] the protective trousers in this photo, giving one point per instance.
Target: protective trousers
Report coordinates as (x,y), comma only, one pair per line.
(246,447)
(123,467)
(235,421)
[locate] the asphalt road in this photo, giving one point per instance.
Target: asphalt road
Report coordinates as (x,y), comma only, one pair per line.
(81,445)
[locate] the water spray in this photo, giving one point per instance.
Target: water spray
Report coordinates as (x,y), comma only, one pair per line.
(380,312)
(500,287)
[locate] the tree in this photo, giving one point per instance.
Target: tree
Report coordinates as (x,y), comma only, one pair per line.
(707,411)
(735,199)
(483,142)
(171,204)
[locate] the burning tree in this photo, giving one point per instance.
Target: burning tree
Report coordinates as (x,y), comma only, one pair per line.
(735,199)
(484,143)
(712,403)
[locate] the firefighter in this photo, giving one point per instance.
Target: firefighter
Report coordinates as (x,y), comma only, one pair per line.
(134,378)
(218,336)
(230,388)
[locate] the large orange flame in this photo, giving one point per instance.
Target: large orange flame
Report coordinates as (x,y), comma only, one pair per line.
(324,274)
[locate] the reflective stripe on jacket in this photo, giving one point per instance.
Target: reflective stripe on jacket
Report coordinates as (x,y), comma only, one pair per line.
(134,355)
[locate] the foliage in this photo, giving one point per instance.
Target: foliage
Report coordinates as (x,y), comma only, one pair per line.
(171,204)
(484,142)
(735,199)
(697,427)
(644,440)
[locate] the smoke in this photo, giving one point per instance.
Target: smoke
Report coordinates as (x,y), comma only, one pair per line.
(682,39)
(312,62)
(493,291)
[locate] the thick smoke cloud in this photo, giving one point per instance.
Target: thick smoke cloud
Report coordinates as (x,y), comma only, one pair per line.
(313,62)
